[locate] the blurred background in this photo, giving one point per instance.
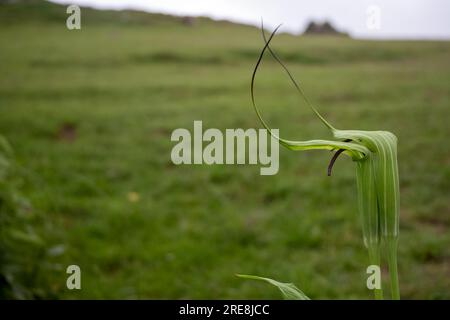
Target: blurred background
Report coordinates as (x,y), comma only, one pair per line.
(85,171)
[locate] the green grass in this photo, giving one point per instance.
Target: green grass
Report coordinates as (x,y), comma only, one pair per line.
(89,115)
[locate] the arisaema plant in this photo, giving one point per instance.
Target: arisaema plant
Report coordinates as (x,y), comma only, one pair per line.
(375,156)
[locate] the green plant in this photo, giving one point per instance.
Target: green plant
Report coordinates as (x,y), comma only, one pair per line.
(375,155)
(21,247)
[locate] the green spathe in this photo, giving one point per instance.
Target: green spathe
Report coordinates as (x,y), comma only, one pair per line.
(375,155)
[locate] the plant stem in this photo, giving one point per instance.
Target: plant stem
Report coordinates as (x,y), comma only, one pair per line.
(392,244)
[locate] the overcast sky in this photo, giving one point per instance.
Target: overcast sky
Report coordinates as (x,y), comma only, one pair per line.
(411,19)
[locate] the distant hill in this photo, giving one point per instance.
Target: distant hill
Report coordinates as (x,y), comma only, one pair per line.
(36,11)
(30,11)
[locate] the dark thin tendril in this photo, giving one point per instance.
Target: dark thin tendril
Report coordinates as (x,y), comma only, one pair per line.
(275,56)
(252,85)
(294,82)
(335,156)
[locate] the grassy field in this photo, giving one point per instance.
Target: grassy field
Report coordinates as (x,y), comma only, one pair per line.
(89,114)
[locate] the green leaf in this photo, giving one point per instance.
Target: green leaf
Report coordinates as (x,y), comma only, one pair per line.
(289,290)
